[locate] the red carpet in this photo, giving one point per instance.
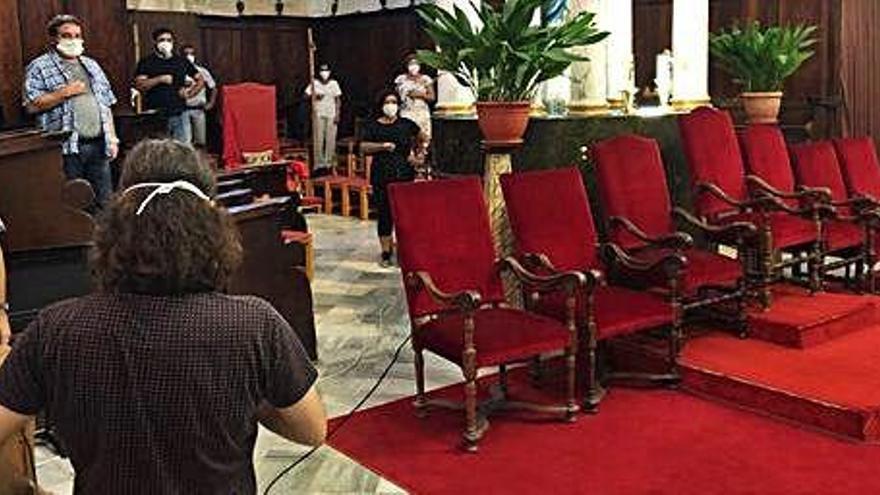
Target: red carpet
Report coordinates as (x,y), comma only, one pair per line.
(641,442)
(799,320)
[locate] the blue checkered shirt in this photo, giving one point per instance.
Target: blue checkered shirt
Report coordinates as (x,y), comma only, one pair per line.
(46,74)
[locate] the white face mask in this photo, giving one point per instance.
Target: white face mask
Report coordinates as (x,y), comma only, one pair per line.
(325,74)
(165,47)
(390,109)
(191,58)
(414,68)
(71,48)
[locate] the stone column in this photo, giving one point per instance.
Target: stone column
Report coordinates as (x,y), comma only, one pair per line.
(621,71)
(690,52)
(452,97)
(498,160)
(589,80)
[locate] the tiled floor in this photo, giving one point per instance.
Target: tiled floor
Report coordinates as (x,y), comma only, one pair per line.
(361,319)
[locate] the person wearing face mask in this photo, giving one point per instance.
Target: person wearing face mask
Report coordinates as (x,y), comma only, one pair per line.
(416,90)
(202,102)
(69,92)
(392,140)
(328,105)
(161,77)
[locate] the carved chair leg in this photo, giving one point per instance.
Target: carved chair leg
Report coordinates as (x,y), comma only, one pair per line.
(571,407)
(536,371)
(742,318)
(471,433)
(421,402)
(675,337)
(816,260)
(764,295)
(594,392)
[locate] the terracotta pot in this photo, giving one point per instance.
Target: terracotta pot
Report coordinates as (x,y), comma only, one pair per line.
(503,122)
(762,108)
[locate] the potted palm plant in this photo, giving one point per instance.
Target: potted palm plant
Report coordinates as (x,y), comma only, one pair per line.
(505,59)
(760,58)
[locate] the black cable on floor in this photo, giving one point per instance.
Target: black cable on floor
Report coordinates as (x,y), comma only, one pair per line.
(342,423)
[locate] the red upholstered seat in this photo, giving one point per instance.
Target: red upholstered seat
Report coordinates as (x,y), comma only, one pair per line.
(766,157)
(502,335)
(816,165)
(632,185)
(454,247)
(713,156)
(617,310)
(788,230)
(550,215)
(249,122)
(859,165)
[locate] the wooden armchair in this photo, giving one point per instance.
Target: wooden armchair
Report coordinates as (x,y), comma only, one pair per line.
(634,196)
(722,196)
(456,302)
(554,231)
(849,234)
(768,160)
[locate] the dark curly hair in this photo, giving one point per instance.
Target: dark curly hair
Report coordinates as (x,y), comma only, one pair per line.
(179,244)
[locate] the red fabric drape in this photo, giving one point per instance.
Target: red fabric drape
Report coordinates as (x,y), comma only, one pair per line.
(249,121)
(860,68)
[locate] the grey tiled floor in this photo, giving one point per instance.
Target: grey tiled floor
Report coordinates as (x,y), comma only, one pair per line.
(361,319)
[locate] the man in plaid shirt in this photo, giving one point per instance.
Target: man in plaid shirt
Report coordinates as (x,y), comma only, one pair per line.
(69,92)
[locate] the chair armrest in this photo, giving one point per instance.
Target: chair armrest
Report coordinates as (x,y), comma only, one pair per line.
(816,193)
(733,231)
(676,240)
(801,193)
(568,281)
(669,265)
(714,190)
(819,209)
(466,300)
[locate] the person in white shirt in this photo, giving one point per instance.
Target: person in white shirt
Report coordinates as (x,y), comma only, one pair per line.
(327,106)
(416,91)
(202,102)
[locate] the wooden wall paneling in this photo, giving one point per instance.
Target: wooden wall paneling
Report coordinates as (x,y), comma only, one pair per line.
(652,33)
(222,48)
(10,64)
(184,25)
(33,17)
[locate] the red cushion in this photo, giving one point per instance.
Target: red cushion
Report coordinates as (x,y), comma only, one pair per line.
(249,123)
(766,156)
(788,230)
(703,268)
(443,228)
(632,184)
(816,165)
(713,156)
(502,335)
(549,213)
(858,162)
(618,310)
(841,235)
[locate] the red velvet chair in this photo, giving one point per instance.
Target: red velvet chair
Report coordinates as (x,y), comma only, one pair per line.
(249,123)
(641,219)
(768,161)
(456,302)
(722,196)
(553,230)
(860,167)
(851,233)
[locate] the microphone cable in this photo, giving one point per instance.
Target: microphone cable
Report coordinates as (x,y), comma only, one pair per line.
(345,420)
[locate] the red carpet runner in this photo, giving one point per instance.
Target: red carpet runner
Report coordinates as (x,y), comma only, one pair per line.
(642,441)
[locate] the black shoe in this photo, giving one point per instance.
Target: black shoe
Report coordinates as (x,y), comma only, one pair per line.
(385,262)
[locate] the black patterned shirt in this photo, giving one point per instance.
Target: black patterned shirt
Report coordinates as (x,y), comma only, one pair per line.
(157,394)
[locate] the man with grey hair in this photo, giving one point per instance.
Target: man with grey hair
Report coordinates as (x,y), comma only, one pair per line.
(69,92)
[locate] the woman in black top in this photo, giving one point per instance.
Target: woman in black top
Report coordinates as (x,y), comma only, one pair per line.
(392,139)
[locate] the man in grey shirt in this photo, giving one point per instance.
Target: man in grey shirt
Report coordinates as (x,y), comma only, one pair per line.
(69,92)
(203,102)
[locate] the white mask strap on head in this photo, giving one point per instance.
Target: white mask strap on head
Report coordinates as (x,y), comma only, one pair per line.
(165,188)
